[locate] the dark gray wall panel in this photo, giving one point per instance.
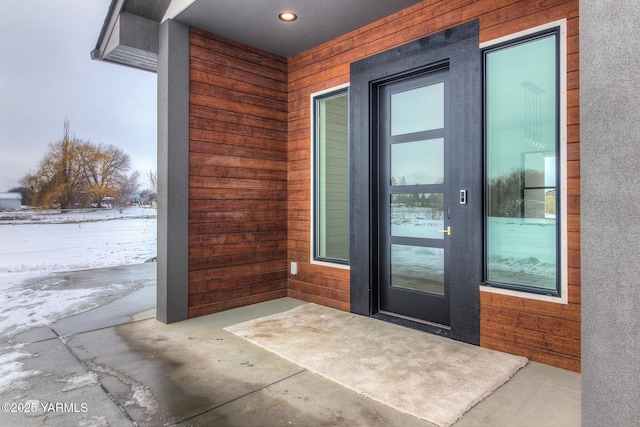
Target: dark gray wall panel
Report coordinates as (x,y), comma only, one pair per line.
(173,172)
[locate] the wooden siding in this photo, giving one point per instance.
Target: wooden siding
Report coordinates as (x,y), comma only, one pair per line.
(544,332)
(237,175)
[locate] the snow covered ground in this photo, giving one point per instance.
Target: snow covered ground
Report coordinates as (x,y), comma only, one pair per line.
(36,244)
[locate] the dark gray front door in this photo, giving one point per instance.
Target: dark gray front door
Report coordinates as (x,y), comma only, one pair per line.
(415,197)
(415,147)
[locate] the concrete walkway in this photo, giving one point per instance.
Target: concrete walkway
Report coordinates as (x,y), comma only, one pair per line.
(117,366)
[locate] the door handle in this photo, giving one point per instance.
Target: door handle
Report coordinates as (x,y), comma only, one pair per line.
(448,230)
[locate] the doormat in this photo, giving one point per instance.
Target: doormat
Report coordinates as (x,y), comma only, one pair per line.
(432,378)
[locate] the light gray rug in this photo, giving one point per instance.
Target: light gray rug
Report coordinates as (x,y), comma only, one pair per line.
(433,378)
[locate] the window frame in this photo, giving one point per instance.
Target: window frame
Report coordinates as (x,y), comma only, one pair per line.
(314,226)
(560,295)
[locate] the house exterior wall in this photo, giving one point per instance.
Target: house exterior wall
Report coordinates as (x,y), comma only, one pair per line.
(543,331)
(237,175)
(250,171)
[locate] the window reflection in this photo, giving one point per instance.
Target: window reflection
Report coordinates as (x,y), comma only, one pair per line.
(417,110)
(417,268)
(417,215)
(521,144)
(418,162)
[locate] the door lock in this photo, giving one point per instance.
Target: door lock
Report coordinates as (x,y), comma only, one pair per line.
(448,230)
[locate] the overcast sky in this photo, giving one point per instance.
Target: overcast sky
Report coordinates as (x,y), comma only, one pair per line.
(47,76)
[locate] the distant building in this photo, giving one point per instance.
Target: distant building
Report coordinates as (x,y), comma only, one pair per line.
(108,202)
(10,201)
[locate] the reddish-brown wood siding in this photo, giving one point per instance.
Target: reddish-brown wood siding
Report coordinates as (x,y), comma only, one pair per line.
(237,175)
(545,332)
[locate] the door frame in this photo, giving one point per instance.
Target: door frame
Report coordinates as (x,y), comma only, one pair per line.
(458,48)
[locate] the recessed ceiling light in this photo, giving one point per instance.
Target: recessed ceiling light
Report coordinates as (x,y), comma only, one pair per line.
(288,16)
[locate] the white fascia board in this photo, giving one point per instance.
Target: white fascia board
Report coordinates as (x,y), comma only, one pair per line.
(112,22)
(176,7)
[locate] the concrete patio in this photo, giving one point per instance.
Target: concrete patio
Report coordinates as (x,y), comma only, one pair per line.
(117,366)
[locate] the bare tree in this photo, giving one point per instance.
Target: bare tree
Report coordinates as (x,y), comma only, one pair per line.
(58,180)
(104,171)
(153,181)
(75,173)
(128,185)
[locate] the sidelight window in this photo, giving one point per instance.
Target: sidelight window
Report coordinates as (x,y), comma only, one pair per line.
(331,177)
(523,164)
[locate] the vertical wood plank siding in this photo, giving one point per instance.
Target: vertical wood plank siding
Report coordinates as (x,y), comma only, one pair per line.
(237,175)
(545,332)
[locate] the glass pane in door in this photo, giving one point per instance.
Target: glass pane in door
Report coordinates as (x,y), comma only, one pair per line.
(417,110)
(418,162)
(417,268)
(418,215)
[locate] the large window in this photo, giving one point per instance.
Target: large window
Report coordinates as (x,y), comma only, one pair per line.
(331,177)
(522,172)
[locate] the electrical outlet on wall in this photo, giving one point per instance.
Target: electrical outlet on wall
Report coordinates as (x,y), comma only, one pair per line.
(294,268)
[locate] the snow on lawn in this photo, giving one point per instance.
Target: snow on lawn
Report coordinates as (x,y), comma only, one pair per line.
(32,247)
(38,248)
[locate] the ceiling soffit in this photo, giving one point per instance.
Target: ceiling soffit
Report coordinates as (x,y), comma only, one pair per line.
(129,35)
(256,23)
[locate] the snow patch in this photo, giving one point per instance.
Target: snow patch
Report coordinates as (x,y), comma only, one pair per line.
(79,381)
(12,375)
(25,309)
(140,395)
(143,398)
